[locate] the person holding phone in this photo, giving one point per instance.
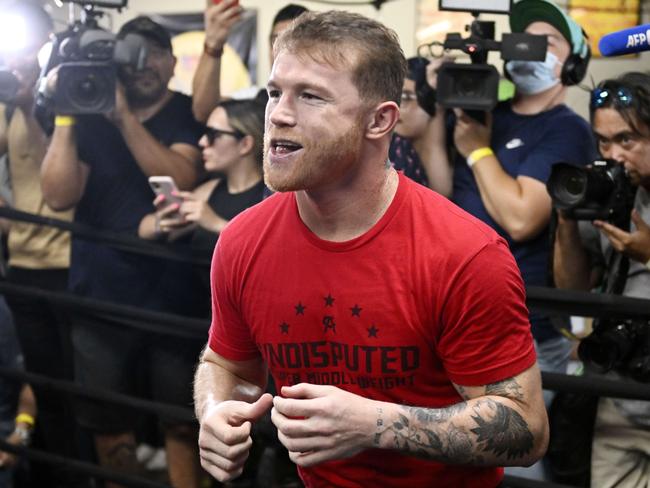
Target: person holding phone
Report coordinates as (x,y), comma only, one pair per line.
(232,155)
(101,163)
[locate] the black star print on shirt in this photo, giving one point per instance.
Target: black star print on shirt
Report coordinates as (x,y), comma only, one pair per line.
(300,309)
(329,300)
(373,331)
(329,324)
(284,328)
(356,310)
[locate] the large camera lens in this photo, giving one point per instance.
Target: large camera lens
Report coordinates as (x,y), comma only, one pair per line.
(85,87)
(607,346)
(586,193)
(468,86)
(567,185)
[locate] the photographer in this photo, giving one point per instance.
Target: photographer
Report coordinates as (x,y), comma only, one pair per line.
(588,255)
(38,255)
(420,132)
(502,166)
(101,164)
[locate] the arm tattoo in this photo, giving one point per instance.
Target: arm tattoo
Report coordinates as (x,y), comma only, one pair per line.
(462,392)
(505,433)
(507,388)
(444,434)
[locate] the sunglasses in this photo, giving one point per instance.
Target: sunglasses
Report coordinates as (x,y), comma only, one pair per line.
(601,97)
(408,97)
(212,134)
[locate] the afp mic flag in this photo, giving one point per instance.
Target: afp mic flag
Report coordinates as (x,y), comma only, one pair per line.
(626,41)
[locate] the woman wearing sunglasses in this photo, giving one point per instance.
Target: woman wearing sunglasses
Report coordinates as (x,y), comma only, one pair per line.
(232,148)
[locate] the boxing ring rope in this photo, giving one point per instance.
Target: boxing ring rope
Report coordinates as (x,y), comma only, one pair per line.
(538,298)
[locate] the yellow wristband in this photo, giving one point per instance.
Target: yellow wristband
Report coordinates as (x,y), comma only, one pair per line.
(64,120)
(25,418)
(478,154)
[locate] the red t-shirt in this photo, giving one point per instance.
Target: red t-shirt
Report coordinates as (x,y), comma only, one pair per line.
(429,295)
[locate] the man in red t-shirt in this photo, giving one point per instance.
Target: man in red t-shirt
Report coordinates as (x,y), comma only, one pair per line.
(393,322)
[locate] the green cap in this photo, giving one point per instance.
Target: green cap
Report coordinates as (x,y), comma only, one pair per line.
(525,12)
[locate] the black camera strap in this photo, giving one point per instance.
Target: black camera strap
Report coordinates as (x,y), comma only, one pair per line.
(619,266)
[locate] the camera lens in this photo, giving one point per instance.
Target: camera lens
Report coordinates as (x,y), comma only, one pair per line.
(86,89)
(575,185)
(469,86)
(607,346)
(567,185)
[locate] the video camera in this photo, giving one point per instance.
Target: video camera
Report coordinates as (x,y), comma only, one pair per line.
(623,346)
(87,59)
(475,86)
(601,191)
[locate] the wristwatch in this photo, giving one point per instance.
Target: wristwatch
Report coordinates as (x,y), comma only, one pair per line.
(24,435)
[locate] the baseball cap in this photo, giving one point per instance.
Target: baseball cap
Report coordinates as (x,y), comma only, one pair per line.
(148,29)
(525,12)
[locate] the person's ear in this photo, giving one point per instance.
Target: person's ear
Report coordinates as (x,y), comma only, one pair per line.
(246,144)
(382,120)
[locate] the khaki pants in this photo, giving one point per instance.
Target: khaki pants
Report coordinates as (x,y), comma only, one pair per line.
(621,451)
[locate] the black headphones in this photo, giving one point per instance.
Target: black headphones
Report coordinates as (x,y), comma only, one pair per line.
(575,67)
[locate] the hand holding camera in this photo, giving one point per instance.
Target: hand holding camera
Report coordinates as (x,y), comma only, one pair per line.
(469,134)
(635,244)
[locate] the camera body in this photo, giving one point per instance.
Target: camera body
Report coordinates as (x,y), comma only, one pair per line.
(87,59)
(475,86)
(622,346)
(601,191)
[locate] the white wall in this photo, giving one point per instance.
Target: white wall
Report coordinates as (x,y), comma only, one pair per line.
(400,15)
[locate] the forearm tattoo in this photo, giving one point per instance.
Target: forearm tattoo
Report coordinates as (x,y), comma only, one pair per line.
(478,433)
(507,388)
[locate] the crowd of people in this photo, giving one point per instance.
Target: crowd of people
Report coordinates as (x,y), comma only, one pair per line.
(362,329)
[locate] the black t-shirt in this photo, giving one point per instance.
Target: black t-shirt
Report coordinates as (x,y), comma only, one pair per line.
(116,198)
(226,205)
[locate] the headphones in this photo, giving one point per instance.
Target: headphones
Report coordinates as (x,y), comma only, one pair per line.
(575,67)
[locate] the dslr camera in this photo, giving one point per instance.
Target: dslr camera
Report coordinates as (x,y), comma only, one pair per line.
(622,346)
(88,59)
(474,86)
(601,191)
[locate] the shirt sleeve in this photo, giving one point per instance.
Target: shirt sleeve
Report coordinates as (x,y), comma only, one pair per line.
(229,335)
(486,334)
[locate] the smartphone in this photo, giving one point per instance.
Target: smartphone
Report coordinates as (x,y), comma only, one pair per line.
(165,185)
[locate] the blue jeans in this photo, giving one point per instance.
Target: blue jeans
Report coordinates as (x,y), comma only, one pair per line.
(552,356)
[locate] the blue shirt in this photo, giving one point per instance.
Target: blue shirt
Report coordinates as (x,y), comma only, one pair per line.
(528,145)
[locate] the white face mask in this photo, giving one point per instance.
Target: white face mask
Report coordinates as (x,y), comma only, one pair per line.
(533,77)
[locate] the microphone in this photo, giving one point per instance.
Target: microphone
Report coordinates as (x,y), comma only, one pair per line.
(626,41)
